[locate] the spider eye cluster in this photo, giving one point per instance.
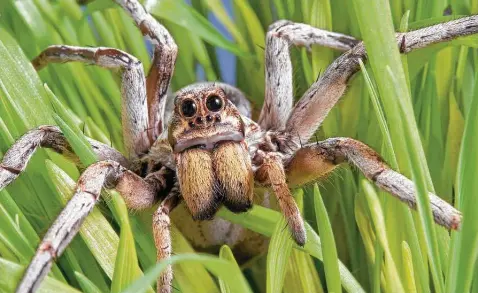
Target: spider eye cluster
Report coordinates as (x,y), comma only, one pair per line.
(188,108)
(214,103)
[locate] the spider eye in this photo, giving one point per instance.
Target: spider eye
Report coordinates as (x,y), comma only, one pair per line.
(214,103)
(188,108)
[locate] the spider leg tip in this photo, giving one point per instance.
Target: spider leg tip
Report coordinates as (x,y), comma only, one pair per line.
(300,239)
(456,222)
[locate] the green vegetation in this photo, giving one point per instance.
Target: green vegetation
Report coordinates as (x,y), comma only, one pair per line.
(418,111)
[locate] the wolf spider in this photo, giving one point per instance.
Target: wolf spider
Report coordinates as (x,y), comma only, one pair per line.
(204,151)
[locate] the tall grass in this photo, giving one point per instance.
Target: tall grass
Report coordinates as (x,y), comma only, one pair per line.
(418,111)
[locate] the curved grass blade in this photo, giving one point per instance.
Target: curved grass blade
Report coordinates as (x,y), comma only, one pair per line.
(226,253)
(225,270)
(86,285)
(190,276)
(20,84)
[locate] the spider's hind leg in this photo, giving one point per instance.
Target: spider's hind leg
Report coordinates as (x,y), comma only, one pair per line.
(16,158)
(137,192)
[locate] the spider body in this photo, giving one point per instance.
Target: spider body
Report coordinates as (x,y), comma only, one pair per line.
(203,150)
(213,167)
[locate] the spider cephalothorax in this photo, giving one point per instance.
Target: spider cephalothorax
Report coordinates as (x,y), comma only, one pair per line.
(213,153)
(213,167)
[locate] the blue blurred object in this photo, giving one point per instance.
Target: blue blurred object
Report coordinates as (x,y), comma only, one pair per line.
(227,60)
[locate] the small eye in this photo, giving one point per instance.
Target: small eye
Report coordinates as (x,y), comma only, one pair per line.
(188,108)
(214,103)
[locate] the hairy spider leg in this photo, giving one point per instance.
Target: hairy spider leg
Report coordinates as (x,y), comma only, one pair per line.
(134,104)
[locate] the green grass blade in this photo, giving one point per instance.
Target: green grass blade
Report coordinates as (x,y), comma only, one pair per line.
(183,15)
(393,278)
(301,275)
(126,264)
(331,259)
(395,95)
(86,285)
(408,269)
(190,276)
(225,270)
(226,254)
(22,84)
(280,248)
(465,242)
(14,273)
(263,220)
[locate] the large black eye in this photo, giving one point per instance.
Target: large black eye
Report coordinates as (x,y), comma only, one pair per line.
(214,103)
(188,108)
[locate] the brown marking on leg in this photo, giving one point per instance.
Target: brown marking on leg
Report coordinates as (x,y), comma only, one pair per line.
(11,170)
(48,247)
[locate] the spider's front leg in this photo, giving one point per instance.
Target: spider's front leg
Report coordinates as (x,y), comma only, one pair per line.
(162,68)
(314,106)
(278,99)
(315,160)
(134,104)
(138,194)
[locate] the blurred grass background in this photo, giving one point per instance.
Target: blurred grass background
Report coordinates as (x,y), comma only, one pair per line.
(420,114)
